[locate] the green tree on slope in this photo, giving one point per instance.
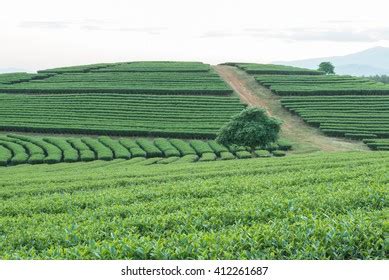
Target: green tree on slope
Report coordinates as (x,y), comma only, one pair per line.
(327,67)
(252,127)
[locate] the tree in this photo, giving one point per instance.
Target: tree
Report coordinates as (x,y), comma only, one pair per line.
(327,67)
(252,127)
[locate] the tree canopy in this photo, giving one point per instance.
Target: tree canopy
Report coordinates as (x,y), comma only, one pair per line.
(252,127)
(327,67)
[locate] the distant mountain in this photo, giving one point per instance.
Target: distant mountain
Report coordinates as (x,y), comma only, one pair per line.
(12,70)
(374,61)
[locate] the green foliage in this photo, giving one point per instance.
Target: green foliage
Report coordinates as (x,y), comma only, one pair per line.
(85,153)
(129,78)
(166,147)
(118,114)
(342,106)
(14,78)
(188,159)
(200,147)
(208,157)
(262,153)
(36,153)
(327,67)
(279,153)
(254,68)
(217,148)
(147,99)
(329,85)
(119,151)
(149,147)
(226,156)
(184,147)
(102,152)
(133,147)
(377,144)
(322,206)
(380,78)
(70,154)
(252,127)
(355,117)
(5,155)
(18,152)
(284,145)
(53,154)
(20,149)
(243,154)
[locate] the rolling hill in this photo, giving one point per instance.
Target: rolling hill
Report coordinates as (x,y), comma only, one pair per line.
(119,161)
(373,61)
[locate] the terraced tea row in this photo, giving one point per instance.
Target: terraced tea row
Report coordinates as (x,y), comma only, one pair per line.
(322,206)
(346,116)
(14,78)
(115,114)
(254,68)
(307,85)
(156,66)
(139,78)
(19,149)
(344,106)
(377,144)
(137,66)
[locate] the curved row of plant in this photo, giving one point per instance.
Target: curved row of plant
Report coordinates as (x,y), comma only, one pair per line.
(20,149)
(317,206)
(115,114)
(172,78)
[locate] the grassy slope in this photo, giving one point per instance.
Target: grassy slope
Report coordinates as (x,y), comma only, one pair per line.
(305,139)
(305,207)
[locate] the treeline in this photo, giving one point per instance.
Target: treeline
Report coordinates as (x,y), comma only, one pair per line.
(380,78)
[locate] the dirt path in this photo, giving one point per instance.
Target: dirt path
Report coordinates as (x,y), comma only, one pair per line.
(304,138)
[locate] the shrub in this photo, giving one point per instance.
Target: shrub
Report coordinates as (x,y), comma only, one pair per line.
(252,127)
(133,147)
(70,154)
(150,149)
(166,147)
(284,145)
(119,151)
(102,152)
(201,147)
(5,155)
(243,154)
(85,153)
(183,147)
(188,159)
(262,153)
(279,153)
(226,156)
(217,148)
(208,157)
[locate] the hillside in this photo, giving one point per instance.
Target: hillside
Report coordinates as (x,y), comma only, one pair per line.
(177,99)
(326,206)
(341,106)
(374,61)
(120,161)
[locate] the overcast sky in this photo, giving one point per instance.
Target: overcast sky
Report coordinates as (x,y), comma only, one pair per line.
(42,34)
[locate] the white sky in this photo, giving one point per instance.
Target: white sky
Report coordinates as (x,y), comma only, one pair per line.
(41,33)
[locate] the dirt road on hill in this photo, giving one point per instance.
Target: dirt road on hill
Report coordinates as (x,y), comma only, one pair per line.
(305,138)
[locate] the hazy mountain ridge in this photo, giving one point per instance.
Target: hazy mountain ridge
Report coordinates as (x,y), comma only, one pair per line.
(12,70)
(374,61)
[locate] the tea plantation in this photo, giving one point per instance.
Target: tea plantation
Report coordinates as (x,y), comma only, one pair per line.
(342,106)
(323,206)
(120,161)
